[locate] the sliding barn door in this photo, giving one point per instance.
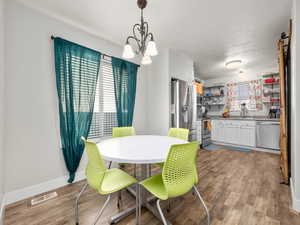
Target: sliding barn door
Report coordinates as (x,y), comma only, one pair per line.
(283,114)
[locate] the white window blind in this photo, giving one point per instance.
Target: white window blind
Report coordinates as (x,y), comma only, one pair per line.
(105,116)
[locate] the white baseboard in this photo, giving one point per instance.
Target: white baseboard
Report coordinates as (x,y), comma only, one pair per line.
(295,201)
(247,147)
(20,194)
(267,150)
(2,209)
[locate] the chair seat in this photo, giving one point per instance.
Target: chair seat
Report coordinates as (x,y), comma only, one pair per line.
(156,186)
(115,180)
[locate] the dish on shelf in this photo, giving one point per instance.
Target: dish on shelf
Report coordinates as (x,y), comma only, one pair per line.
(271,75)
(216,104)
(270,91)
(213,96)
(271,83)
(271,80)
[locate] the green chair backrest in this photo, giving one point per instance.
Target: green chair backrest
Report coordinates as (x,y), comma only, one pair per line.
(179,172)
(96,166)
(122,131)
(180,133)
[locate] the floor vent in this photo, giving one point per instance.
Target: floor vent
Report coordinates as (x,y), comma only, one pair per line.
(43,198)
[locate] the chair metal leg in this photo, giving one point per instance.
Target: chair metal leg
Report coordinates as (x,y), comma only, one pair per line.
(119,204)
(169,205)
(160,212)
(102,209)
(134,172)
(201,199)
(109,164)
(138,205)
(76,203)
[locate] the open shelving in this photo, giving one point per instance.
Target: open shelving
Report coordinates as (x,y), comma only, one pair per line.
(271,91)
(213,97)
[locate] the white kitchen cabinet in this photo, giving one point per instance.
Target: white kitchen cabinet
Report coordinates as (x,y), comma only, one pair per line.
(221,132)
(217,133)
(234,132)
(247,134)
(215,130)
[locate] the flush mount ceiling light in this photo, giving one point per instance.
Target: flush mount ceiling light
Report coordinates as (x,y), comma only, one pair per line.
(142,38)
(233,64)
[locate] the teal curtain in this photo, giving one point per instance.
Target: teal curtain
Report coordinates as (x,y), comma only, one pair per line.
(77,69)
(125,88)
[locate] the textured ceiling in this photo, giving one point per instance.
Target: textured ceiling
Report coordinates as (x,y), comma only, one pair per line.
(211,31)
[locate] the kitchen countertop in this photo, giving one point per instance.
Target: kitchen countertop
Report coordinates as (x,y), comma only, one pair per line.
(258,118)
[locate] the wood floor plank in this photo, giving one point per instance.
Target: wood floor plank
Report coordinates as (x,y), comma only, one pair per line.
(240,188)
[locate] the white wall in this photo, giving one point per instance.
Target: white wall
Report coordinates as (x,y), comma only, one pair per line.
(158,94)
(230,79)
(32,146)
(169,63)
(33,154)
(1,101)
(181,65)
(295,106)
(140,112)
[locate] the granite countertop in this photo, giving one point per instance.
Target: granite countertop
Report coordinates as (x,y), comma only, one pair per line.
(258,118)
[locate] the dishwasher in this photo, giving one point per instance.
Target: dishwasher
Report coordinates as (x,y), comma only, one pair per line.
(268,135)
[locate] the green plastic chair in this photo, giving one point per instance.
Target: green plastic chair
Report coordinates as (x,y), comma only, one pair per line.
(180,133)
(105,181)
(123,131)
(179,176)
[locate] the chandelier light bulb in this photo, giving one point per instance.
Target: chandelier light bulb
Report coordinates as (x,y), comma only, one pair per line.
(151,49)
(128,52)
(146,60)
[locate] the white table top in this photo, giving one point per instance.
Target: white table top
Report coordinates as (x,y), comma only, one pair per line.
(138,149)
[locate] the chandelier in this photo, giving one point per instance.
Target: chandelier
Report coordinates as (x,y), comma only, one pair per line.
(142,38)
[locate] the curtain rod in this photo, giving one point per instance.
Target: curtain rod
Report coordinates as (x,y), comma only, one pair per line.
(103,54)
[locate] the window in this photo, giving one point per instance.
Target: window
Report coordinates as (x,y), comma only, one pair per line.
(243,91)
(249,92)
(105,114)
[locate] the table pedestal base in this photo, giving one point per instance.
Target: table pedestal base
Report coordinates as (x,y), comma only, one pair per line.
(141,199)
(127,212)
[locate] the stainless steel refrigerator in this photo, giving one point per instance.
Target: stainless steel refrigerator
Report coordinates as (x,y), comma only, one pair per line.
(183,106)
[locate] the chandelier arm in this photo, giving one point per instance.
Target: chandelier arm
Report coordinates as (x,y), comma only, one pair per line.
(138,27)
(136,40)
(149,37)
(146,31)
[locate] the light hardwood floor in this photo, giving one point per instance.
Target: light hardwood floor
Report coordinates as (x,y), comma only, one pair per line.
(240,188)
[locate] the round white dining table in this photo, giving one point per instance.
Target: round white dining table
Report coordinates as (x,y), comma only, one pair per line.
(139,149)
